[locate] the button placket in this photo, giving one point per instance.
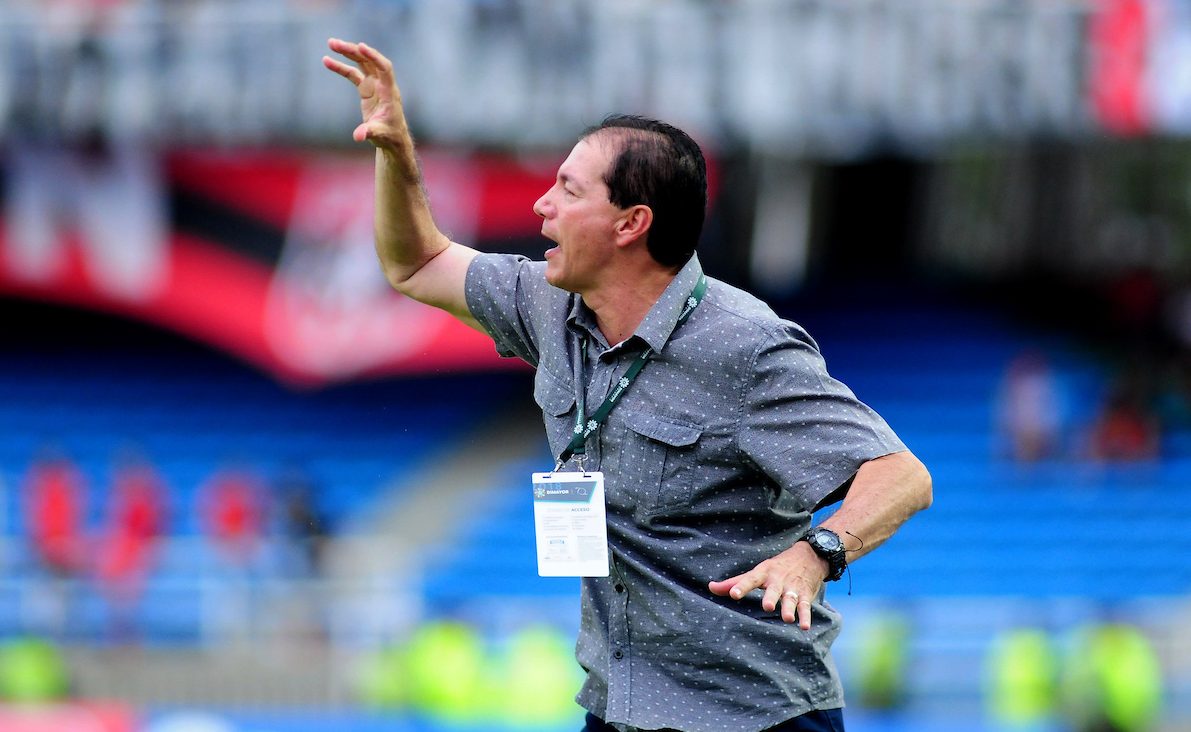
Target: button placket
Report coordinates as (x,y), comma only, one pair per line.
(620,662)
(598,386)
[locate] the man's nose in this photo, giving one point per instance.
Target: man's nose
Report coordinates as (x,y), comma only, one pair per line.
(541,205)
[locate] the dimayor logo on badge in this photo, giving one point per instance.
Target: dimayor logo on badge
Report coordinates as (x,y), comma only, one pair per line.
(568,492)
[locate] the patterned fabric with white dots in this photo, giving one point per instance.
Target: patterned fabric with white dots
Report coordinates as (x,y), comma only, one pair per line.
(714,460)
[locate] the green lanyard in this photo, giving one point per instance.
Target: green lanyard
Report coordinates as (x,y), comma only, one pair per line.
(584,426)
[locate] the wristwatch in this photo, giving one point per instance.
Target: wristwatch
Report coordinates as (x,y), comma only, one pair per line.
(827,544)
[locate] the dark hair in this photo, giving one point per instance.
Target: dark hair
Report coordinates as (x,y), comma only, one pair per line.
(660,166)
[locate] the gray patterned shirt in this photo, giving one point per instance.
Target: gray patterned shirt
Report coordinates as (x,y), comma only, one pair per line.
(714,460)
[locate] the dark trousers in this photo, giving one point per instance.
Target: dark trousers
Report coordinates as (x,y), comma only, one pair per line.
(824,720)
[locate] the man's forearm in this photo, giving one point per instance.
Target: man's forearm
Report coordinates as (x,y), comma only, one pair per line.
(406,235)
(416,257)
(885,493)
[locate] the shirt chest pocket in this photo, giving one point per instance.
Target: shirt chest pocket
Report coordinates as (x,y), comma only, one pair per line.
(557,402)
(658,459)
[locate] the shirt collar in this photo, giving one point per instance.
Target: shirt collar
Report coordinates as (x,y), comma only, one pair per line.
(662,318)
(582,320)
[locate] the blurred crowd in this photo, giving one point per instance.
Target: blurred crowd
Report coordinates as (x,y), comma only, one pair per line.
(1137,324)
(1037,421)
(248,527)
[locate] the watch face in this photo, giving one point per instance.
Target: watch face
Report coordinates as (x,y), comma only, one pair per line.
(826,541)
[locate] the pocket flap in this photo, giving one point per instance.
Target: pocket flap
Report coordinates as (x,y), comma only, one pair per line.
(552,397)
(663,429)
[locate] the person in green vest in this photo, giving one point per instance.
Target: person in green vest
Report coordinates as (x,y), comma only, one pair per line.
(539,679)
(880,664)
(32,671)
(382,680)
(1113,680)
(446,670)
(1022,676)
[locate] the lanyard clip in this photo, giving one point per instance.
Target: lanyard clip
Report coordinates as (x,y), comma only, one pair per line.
(580,458)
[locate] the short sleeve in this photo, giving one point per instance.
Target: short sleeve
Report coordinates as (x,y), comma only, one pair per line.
(803,428)
(509,296)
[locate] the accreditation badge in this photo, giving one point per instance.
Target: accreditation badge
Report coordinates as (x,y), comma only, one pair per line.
(571,524)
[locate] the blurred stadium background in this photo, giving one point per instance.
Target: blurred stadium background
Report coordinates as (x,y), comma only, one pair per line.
(246,488)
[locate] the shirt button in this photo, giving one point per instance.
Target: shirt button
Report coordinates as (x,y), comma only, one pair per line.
(618,587)
(618,654)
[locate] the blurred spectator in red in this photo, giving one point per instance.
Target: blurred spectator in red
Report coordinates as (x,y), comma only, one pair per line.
(135,520)
(54,496)
(233,512)
(1126,429)
(232,509)
(54,512)
(1029,418)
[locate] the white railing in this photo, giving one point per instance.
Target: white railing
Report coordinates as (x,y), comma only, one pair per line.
(196,598)
(367,595)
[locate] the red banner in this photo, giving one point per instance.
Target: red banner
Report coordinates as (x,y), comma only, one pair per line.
(268,256)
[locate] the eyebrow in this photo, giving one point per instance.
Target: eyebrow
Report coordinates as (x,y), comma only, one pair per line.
(566,179)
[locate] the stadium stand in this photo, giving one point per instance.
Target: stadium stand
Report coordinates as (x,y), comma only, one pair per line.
(192,412)
(185,414)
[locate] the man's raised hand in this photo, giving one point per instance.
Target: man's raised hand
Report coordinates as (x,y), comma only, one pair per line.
(380,100)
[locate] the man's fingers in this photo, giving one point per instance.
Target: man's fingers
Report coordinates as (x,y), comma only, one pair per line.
(345,48)
(804,613)
(721,587)
(787,588)
(738,586)
(795,604)
(378,65)
(790,605)
(772,596)
(382,63)
(730,587)
(367,63)
(351,73)
(746,583)
(371,61)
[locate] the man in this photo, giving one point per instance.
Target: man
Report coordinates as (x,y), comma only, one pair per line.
(717,452)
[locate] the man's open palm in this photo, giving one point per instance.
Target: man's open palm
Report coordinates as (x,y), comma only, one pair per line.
(380,99)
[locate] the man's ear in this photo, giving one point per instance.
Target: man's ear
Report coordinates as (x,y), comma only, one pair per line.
(634,224)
